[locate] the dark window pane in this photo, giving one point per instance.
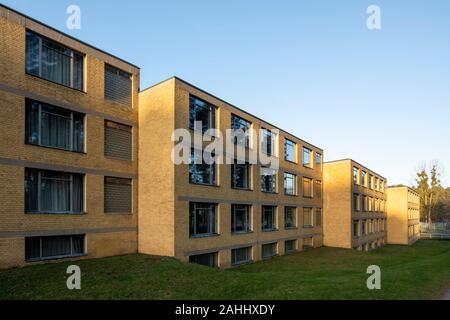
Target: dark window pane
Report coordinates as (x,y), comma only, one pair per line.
(240,175)
(209,259)
(32,248)
(269,250)
(202,220)
(31,190)
(241,255)
(32,54)
(118,141)
(199,171)
(240,218)
(201,111)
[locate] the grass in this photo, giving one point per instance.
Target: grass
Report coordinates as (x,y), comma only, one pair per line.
(421,271)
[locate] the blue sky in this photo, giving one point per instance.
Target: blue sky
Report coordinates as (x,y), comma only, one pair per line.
(309,67)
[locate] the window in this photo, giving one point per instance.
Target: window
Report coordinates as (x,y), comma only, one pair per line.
(318,189)
(201,111)
(54,247)
(290,217)
(308,243)
(240,175)
(51,61)
(202,219)
(364,178)
(371,204)
(241,130)
(355,229)
(240,218)
(269,250)
(377,184)
(268,179)
(307,157)
(290,181)
(318,217)
(289,150)
(318,159)
(241,255)
(307,218)
(201,172)
(268,142)
(307,188)
(363,228)
(118,195)
(356,203)
(371,181)
(290,246)
(208,259)
(268,218)
(53,127)
(356,177)
(118,141)
(118,85)
(53,192)
(364,203)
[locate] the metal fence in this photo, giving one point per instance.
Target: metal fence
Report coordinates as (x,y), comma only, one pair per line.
(436,230)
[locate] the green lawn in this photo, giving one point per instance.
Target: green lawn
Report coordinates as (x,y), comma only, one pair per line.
(418,272)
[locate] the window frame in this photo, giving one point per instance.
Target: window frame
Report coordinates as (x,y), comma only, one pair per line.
(274,220)
(293,178)
(39,211)
(295,217)
(72,57)
(248,172)
(212,114)
(57,257)
(73,114)
(288,142)
(213,183)
(308,164)
(311,188)
(248,219)
(249,250)
(212,222)
(310,211)
(246,129)
(275,182)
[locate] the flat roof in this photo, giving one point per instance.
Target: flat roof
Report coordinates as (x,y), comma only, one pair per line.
(348,159)
(230,104)
(67,35)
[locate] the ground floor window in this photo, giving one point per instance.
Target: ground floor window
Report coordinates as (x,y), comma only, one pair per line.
(54,247)
(269,250)
(241,255)
(290,246)
(208,259)
(308,243)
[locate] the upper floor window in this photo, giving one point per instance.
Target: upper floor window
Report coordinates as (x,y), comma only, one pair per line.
(268,222)
(289,150)
(53,127)
(118,140)
(268,142)
(318,217)
(364,178)
(201,172)
(203,112)
(240,175)
(318,189)
(371,181)
(318,159)
(202,219)
(54,62)
(118,85)
(307,188)
(53,192)
(290,181)
(307,218)
(268,179)
(307,153)
(356,202)
(355,228)
(356,177)
(240,218)
(118,195)
(290,217)
(241,130)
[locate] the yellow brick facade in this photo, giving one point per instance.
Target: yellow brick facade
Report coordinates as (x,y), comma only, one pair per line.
(106,234)
(403,212)
(354,211)
(165,192)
